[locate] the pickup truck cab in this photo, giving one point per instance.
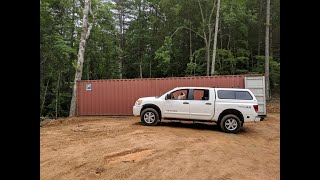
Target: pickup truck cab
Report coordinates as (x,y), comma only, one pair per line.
(230,108)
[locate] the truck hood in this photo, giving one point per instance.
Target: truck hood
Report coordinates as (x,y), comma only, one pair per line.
(147,98)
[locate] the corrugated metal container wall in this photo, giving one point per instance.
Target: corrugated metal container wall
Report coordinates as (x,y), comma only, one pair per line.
(117,96)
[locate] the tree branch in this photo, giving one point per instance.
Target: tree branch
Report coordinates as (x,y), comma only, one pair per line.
(209,22)
(201,11)
(214,6)
(90,24)
(194,32)
(89,29)
(93,15)
(203,21)
(175,31)
(188,29)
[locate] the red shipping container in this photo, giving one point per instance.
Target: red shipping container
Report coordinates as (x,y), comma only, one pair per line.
(117,96)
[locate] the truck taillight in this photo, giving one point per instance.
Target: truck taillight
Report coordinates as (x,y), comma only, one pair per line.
(255,107)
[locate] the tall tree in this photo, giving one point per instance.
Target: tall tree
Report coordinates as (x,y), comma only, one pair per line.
(215,39)
(207,38)
(123,16)
(259,25)
(57,94)
(267,52)
(121,34)
(270,31)
(86,28)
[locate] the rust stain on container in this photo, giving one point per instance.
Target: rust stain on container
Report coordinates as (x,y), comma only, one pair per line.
(117,96)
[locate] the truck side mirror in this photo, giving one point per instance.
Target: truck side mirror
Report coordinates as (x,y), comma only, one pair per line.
(168,96)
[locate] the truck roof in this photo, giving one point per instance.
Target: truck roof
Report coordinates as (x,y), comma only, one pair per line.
(189,87)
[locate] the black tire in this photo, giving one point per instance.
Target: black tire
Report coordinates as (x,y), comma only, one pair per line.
(230,124)
(153,118)
(218,126)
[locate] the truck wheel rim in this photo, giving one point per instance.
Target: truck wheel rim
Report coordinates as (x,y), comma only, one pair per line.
(149,117)
(231,124)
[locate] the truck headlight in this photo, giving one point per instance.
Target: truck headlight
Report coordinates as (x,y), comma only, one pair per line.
(138,102)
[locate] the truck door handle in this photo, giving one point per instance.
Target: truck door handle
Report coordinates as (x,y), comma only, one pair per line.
(185,103)
(208,103)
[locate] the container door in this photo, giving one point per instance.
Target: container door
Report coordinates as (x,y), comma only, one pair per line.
(257,86)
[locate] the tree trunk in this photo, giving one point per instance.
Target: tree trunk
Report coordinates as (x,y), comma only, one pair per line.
(57,95)
(229,40)
(121,44)
(120,67)
(73,25)
(44,97)
(72,55)
(207,40)
(259,25)
(150,68)
(221,42)
(215,39)
(271,49)
(195,66)
(88,70)
(190,44)
(251,61)
(267,52)
(140,66)
(208,58)
(139,37)
(86,28)
(208,45)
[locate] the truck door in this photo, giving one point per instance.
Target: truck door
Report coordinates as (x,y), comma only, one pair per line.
(202,104)
(175,107)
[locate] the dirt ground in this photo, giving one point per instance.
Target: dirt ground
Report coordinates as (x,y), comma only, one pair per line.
(273,106)
(122,148)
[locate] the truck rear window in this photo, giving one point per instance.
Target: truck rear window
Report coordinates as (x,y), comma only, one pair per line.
(240,95)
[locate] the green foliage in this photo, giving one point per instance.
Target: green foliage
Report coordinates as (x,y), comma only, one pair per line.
(164,56)
(274,66)
(156,36)
(190,71)
(198,66)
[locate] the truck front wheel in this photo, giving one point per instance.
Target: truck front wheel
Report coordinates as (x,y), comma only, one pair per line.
(149,117)
(230,123)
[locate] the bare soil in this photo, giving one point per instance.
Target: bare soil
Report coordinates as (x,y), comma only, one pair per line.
(273,106)
(122,148)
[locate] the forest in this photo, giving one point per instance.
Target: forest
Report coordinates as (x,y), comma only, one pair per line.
(128,39)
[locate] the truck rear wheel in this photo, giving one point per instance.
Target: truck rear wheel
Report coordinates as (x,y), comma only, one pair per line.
(230,123)
(149,117)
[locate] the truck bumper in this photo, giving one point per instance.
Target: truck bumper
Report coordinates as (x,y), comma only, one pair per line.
(257,119)
(136,110)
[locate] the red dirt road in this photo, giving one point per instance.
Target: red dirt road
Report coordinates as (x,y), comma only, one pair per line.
(122,148)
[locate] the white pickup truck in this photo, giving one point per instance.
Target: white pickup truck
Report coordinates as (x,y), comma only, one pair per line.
(228,107)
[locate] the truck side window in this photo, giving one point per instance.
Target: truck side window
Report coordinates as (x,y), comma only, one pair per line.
(200,94)
(181,94)
(240,95)
(225,94)
(243,95)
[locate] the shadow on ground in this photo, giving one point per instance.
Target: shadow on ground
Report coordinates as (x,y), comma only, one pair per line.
(196,125)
